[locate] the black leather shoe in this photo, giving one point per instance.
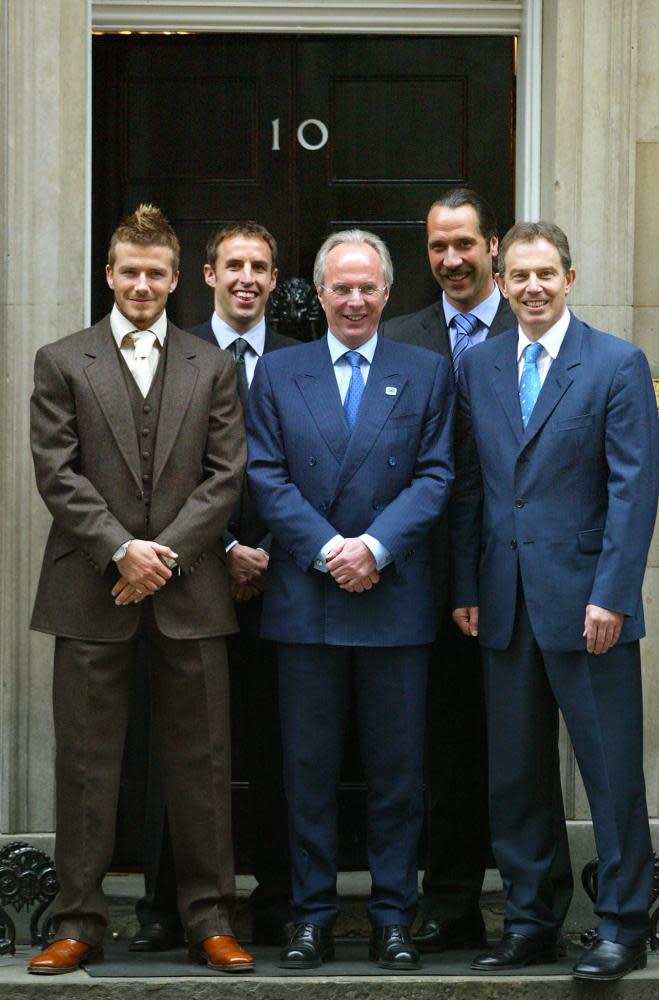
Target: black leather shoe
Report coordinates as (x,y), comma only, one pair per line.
(156,937)
(308,947)
(514,951)
(609,960)
(391,947)
(467,931)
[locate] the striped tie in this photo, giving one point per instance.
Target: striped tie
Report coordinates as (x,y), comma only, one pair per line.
(529,384)
(465,326)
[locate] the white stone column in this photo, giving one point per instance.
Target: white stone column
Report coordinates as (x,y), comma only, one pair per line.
(599,88)
(43,221)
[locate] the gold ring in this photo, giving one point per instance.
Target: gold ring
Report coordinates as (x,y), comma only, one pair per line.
(137,590)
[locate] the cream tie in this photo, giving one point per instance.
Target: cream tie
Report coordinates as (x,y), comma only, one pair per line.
(140,364)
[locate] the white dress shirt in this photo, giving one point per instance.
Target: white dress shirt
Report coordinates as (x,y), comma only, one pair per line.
(225,336)
(551,342)
(122,327)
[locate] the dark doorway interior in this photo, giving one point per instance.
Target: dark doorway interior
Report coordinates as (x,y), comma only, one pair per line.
(305,135)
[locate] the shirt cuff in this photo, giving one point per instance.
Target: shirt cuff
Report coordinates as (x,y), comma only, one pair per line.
(381,555)
(320,562)
(234,541)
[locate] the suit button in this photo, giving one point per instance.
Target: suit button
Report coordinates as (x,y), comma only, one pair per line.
(139,495)
(377,505)
(513,544)
(145,432)
(519,502)
(312,461)
(322,506)
(146,477)
(391,460)
(145,454)
(146,408)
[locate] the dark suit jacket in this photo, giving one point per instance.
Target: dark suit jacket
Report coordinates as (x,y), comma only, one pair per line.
(310,479)
(245,525)
(87,464)
(570,501)
(427,328)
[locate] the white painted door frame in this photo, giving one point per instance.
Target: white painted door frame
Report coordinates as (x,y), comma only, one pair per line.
(520,18)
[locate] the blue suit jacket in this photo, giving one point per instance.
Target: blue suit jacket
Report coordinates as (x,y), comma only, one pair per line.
(571,499)
(310,479)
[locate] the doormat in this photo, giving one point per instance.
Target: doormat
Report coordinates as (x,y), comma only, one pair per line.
(351,960)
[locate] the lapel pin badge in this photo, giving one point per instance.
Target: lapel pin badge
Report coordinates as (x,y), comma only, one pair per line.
(391,390)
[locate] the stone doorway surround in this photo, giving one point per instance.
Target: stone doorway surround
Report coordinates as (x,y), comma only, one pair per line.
(587,85)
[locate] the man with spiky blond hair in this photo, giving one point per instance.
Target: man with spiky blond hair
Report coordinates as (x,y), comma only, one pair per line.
(138,446)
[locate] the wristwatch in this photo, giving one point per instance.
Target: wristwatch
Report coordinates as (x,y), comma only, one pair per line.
(121,551)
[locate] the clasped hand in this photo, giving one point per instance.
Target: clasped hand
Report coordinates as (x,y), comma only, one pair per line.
(142,571)
(352,565)
(247,569)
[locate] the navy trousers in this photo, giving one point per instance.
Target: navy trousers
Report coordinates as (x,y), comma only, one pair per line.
(388,685)
(601,702)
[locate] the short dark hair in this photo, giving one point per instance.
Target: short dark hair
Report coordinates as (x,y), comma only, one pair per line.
(457,197)
(244,228)
(528,232)
(146,226)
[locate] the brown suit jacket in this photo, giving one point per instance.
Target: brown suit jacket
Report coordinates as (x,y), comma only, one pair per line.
(87,465)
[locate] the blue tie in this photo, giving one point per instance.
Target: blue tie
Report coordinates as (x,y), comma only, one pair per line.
(529,384)
(355,389)
(465,326)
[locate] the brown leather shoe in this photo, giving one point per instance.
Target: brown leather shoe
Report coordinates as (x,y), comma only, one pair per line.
(222,952)
(64,955)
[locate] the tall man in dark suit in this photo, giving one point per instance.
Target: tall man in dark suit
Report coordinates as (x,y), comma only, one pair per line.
(560,420)
(138,447)
(462,248)
(241,269)
(350,464)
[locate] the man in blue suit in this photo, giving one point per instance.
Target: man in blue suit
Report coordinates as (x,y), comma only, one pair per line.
(350,466)
(549,560)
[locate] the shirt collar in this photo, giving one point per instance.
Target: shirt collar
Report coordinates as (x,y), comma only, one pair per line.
(551,340)
(121,325)
(225,334)
(337,349)
(485,311)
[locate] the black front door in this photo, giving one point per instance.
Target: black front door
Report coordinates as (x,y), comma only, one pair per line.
(305,135)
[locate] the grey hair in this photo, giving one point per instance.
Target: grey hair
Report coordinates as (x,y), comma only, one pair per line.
(353,236)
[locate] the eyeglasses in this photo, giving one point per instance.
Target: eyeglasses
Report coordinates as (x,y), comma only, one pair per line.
(345,291)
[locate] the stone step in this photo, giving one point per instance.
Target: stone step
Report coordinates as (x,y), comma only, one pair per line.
(16,984)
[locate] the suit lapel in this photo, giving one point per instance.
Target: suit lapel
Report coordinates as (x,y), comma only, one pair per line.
(559,378)
(109,387)
(317,383)
(375,407)
(180,379)
(503,377)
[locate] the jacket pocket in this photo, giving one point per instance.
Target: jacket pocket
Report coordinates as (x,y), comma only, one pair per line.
(575,423)
(61,546)
(591,541)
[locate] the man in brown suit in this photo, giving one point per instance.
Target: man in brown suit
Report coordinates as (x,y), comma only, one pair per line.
(138,446)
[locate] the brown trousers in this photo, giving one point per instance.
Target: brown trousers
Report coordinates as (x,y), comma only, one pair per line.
(190,712)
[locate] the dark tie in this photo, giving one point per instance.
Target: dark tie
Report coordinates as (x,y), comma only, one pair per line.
(238,348)
(465,326)
(529,384)
(355,389)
